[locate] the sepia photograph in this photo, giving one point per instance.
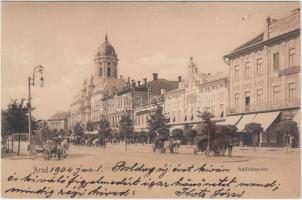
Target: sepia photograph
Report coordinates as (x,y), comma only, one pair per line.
(186,100)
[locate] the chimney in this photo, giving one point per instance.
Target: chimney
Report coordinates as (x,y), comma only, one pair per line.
(145,81)
(138,83)
(128,79)
(133,82)
(155,76)
(179,79)
(268,23)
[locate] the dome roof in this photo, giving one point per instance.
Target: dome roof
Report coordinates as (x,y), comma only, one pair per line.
(106,49)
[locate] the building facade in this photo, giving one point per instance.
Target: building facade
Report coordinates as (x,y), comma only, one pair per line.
(134,98)
(265,77)
(196,92)
(59,121)
(87,106)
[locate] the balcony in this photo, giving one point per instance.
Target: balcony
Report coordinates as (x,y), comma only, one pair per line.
(288,71)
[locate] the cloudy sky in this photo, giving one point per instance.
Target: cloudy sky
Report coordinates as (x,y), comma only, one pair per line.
(148,37)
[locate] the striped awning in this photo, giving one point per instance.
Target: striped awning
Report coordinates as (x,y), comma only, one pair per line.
(231,120)
(244,120)
(266,119)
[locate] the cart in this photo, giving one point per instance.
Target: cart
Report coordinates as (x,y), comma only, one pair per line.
(200,144)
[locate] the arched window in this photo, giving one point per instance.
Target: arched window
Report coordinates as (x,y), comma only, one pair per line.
(108,71)
(101,71)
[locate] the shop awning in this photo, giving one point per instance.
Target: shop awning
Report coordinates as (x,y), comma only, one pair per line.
(265,119)
(297,119)
(91,132)
(176,127)
(231,120)
(244,120)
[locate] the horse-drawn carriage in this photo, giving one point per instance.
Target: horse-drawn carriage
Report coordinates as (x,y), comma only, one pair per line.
(218,145)
(50,149)
(200,144)
(99,141)
(164,144)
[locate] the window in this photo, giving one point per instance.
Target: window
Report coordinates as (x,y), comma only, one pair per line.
(236,101)
(292,91)
(259,96)
(276,93)
(108,72)
(276,61)
(259,67)
(101,71)
(291,59)
(236,73)
(247,101)
(247,70)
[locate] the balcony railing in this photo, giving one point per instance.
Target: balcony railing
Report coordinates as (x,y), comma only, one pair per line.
(288,71)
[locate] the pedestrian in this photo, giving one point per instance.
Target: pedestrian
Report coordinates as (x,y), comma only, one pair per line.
(291,142)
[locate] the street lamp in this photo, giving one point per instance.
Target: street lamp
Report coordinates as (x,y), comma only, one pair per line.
(31,82)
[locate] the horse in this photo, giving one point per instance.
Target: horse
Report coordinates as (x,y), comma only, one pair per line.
(65,147)
(49,146)
(176,144)
(95,142)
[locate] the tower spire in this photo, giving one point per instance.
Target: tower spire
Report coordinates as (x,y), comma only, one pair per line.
(106,37)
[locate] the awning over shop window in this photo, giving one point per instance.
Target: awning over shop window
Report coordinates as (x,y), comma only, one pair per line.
(231,120)
(177,127)
(244,120)
(91,132)
(297,119)
(265,119)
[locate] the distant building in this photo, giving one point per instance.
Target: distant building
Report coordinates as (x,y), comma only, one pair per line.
(59,121)
(86,107)
(265,77)
(195,93)
(133,98)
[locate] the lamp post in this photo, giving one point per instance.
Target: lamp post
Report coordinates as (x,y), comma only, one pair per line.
(31,82)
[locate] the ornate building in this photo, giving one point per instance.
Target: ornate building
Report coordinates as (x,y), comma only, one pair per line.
(87,107)
(59,121)
(265,77)
(197,91)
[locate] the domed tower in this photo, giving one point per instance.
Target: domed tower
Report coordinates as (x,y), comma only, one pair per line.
(106,61)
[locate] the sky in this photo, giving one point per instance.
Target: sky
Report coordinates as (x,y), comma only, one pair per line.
(158,37)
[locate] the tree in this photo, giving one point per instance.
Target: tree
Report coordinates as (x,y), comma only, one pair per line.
(254,130)
(208,125)
(177,134)
(104,127)
(78,132)
(126,128)
(5,128)
(89,126)
(158,123)
(287,128)
(191,135)
(43,132)
(226,130)
(16,119)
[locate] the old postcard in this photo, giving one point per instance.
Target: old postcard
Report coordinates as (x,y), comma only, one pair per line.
(150,100)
